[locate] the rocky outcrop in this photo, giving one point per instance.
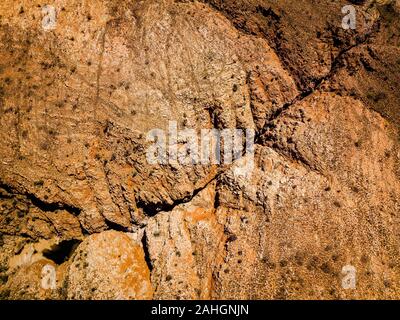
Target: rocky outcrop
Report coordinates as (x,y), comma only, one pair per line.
(84,215)
(108,265)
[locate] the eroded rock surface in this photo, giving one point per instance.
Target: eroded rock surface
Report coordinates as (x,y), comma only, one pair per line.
(108,265)
(83,215)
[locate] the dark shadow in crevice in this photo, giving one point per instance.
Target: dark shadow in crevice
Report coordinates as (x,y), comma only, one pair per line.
(115,226)
(62,251)
(42,205)
(152,209)
(146,252)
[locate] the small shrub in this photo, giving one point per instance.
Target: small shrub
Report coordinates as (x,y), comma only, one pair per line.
(3,278)
(38,183)
(5,294)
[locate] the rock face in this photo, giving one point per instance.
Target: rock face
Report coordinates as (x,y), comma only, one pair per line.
(108,265)
(84,215)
